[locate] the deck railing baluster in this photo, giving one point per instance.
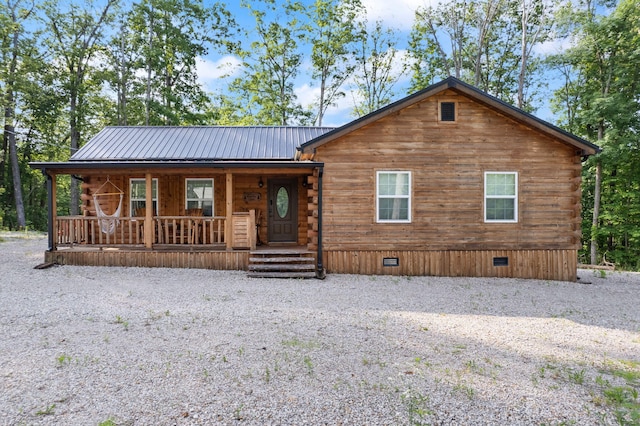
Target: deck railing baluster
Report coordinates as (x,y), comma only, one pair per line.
(170,230)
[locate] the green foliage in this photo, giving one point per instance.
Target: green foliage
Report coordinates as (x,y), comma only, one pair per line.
(488,44)
(153,60)
(601,100)
(272,61)
(417,406)
(332,36)
(624,397)
(576,377)
(375,60)
(49,410)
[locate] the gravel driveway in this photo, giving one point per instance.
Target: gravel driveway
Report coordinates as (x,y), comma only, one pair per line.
(137,346)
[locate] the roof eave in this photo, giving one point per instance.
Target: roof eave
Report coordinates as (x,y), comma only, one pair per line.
(74,166)
(586,147)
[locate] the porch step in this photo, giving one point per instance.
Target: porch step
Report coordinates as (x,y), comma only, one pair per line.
(282,259)
(281,264)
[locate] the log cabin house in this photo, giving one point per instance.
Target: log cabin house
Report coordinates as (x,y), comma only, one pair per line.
(449,181)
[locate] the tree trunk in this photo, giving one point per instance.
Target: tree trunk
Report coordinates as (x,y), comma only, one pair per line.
(485,25)
(9,130)
(523,55)
(122,80)
(4,160)
(75,144)
(147,101)
(596,214)
(15,171)
(323,82)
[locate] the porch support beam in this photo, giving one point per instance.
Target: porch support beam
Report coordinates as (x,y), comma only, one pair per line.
(148,219)
(228,232)
(320,270)
(52,206)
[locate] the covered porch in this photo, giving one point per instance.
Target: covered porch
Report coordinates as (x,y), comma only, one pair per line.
(240,208)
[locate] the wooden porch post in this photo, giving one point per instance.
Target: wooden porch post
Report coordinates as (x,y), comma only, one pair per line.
(228,231)
(53,207)
(148,219)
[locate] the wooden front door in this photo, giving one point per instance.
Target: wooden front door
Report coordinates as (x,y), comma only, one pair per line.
(283,210)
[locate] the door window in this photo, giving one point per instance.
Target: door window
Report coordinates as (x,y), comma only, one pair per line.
(282,202)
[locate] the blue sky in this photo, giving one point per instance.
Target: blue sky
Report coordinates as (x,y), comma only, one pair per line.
(395,14)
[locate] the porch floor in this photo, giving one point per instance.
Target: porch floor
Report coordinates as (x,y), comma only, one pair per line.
(275,249)
(215,257)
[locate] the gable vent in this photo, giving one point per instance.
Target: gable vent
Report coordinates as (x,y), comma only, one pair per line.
(447,111)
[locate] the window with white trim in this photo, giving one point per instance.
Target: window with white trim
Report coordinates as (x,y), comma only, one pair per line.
(500,197)
(138,196)
(393,196)
(199,195)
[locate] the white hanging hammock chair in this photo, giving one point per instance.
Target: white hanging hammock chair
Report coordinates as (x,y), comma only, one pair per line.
(108,222)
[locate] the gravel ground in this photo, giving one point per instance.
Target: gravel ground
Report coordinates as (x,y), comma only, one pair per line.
(137,346)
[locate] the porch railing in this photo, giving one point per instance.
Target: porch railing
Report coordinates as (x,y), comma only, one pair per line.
(171,230)
(189,230)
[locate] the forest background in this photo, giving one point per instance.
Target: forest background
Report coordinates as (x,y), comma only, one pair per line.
(67,69)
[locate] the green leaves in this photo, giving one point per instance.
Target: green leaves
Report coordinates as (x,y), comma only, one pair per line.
(602,93)
(333,38)
(265,94)
(157,51)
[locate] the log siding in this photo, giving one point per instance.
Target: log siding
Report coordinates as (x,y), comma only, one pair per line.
(558,265)
(448,163)
(447,157)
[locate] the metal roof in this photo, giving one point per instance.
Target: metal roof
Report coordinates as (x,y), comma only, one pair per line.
(146,143)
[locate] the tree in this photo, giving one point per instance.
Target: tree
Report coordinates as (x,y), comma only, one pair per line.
(331,34)
(603,95)
(489,44)
(165,38)
(14,50)
(536,25)
(431,59)
(376,72)
(120,69)
(74,37)
(264,94)
(44,125)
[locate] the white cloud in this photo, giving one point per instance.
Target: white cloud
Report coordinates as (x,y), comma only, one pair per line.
(397,14)
(209,71)
(553,47)
(307,95)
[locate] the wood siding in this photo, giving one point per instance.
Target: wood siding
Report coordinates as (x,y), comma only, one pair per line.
(558,265)
(447,162)
(247,195)
(220,260)
(171,193)
(447,235)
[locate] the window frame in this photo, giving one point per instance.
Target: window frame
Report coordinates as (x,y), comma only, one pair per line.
(409,196)
(514,197)
(154,181)
(187,199)
(455,111)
